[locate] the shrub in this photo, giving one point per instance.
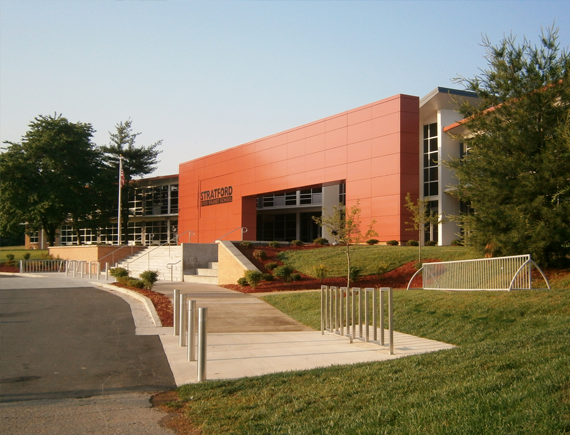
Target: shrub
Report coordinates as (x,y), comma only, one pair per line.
(320,241)
(382,268)
(372,242)
(246,244)
(242,281)
(431,243)
(354,273)
(271,265)
(296,243)
(260,254)
(321,272)
(284,272)
(149,278)
(456,242)
(392,243)
(253,277)
(412,243)
(124,280)
(268,277)
(136,283)
(27,256)
(273,244)
(296,277)
(10,261)
(118,272)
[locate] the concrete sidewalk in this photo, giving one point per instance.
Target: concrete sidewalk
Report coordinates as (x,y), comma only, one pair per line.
(248,337)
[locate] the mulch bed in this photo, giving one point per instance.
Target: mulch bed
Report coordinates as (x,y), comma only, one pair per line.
(160,301)
(397,278)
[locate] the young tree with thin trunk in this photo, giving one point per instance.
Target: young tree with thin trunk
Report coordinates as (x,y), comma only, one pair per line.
(422,218)
(344,227)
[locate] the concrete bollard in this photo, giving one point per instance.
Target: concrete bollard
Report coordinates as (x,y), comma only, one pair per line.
(202,320)
(176,311)
(191,342)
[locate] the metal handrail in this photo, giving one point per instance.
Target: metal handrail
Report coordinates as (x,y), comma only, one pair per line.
(159,246)
(118,249)
(243,230)
(171,267)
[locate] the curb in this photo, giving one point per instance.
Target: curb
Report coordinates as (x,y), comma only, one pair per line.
(146,301)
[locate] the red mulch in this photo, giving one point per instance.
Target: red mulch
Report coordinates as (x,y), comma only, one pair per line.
(9,269)
(160,301)
(397,278)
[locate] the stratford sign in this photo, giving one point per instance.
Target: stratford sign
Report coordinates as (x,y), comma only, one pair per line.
(216,196)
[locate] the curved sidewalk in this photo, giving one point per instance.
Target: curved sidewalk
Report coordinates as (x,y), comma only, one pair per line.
(248,337)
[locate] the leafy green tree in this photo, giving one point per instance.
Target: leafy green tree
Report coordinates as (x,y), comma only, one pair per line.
(344,226)
(516,172)
(137,162)
(49,177)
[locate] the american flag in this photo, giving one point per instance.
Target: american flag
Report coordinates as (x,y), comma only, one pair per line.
(122,178)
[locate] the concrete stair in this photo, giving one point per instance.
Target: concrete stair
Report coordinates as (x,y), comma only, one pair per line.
(167,260)
(207,275)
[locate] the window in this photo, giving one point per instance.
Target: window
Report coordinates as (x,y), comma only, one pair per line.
(293,198)
(430,149)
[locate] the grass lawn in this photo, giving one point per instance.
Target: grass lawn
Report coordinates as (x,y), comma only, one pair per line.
(369,257)
(510,374)
(19,252)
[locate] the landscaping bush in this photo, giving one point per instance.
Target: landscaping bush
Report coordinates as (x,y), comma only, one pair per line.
(242,281)
(456,242)
(284,272)
(149,278)
(392,243)
(431,243)
(296,277)
(321,272)
(382,268)
(268,277)
(118,272)
(273,244)
(27,256)
(10,260)
(136,283)
(296,243)
(320,241)
(271,265)
(253,277)
(412,243)
(260,254)
(246,244)
(372,242)
(354,274)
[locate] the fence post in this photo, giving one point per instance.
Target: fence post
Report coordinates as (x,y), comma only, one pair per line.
(106,271)
(21,266)
(202,315)
(382,315)
(375,314)
(191,330)
(391,319)
(183,320)
(176,313)
(366,320)
(323,288)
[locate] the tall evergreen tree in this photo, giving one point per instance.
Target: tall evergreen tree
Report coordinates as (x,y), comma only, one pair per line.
(49,177)
(516,173)
(137,162)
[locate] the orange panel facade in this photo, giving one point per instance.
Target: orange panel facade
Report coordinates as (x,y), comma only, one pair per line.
(372,149)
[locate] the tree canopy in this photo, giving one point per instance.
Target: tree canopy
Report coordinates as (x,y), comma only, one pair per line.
(516,173)
(137,161)
(49,176)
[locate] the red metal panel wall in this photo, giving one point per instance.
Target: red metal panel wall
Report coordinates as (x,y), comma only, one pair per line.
(374,149)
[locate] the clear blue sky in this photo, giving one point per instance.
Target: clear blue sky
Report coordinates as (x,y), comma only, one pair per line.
(208,75)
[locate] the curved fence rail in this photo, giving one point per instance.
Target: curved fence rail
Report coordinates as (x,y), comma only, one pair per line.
(501,273)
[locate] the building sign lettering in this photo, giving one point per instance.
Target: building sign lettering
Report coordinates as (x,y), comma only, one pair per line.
(216,196)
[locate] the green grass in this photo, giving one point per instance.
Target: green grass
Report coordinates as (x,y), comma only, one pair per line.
(509,374)
(19,251)
(368,257)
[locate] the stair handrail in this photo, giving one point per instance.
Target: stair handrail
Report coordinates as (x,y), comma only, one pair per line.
(118,249)
(171,267)
(243,230)
(156,247)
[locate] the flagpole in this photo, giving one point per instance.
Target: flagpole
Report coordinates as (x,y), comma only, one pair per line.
(120,189)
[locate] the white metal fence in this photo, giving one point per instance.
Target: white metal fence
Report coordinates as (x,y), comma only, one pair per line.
(82,269)
(501,273)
